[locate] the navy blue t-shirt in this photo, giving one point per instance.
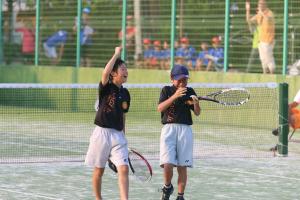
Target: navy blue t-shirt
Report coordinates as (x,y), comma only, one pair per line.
(179,112)
(113,103)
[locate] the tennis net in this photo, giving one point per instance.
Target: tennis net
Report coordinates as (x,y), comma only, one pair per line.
(53,122)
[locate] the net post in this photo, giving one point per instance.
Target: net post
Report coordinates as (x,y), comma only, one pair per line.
(283,119)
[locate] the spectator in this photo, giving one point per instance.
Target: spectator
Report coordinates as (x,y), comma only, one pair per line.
(294,113)
(156,55)
(166,56)
(185,54)
(28,42)
(148,51)
(130,33)
(254,54)
(86,41)
(59,38)
(234,8)
(266,22)
(215,55)
(202,60)
(294,118)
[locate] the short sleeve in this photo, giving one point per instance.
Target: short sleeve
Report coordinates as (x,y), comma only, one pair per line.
(192,91)
(297,97)
(164,94)
(125,100)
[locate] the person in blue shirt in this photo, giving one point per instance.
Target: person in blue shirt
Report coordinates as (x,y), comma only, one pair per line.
(202,61)
(166,54)
(185,54)
(216,55)
(147,52)
(86,34)
(58,39)
(157,54)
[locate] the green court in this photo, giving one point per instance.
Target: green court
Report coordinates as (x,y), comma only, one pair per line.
(229,178)
(45,133)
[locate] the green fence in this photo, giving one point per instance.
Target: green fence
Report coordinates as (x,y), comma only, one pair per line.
(27,26)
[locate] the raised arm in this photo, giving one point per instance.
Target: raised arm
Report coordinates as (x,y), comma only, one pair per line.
(249,19)
(109,66)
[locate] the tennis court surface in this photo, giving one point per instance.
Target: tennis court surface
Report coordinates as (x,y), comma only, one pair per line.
(45,129)
(230,178)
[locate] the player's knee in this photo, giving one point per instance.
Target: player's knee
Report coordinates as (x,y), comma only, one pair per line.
(123,169)
(98,172)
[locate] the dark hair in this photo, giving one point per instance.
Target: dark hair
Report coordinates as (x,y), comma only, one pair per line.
(117,64)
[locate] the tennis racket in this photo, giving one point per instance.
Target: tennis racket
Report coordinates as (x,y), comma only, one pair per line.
(228,97)
(138,164)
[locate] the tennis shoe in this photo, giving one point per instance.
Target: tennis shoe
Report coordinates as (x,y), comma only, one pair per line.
(179,198)
(166,192)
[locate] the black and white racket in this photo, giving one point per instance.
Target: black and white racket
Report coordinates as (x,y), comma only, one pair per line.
(138,165)
(228,97)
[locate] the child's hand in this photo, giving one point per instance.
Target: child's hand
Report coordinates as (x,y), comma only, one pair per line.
(180,92)
(118,51)
(195,99)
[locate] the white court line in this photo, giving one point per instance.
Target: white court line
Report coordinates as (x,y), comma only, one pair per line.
(30,194)
(253,173)
(42,147)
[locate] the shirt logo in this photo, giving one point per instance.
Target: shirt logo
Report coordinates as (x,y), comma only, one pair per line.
(110,102)
(171,113)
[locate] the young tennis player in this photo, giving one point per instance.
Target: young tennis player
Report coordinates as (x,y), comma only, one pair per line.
(108,140)
(176,140)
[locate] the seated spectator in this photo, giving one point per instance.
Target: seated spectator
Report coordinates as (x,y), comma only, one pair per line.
(130,33)
(28,42)
(202,60)
(86,34)
(156,55)
(165,56)
(86,41)
(185,54)
(147,52)
(215,56)
(58,39)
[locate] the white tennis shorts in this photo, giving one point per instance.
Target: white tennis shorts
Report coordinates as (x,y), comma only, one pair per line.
(176,145)
(50,52)
(266,55)
(107,143)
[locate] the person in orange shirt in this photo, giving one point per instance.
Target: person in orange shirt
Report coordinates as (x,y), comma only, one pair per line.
(294,112)
(294,117)
(266,22)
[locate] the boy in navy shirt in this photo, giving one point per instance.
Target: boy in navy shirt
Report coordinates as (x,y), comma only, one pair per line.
(176,141)
(108,139)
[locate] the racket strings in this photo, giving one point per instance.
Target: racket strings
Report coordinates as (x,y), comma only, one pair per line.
(233,97)
(139,166)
